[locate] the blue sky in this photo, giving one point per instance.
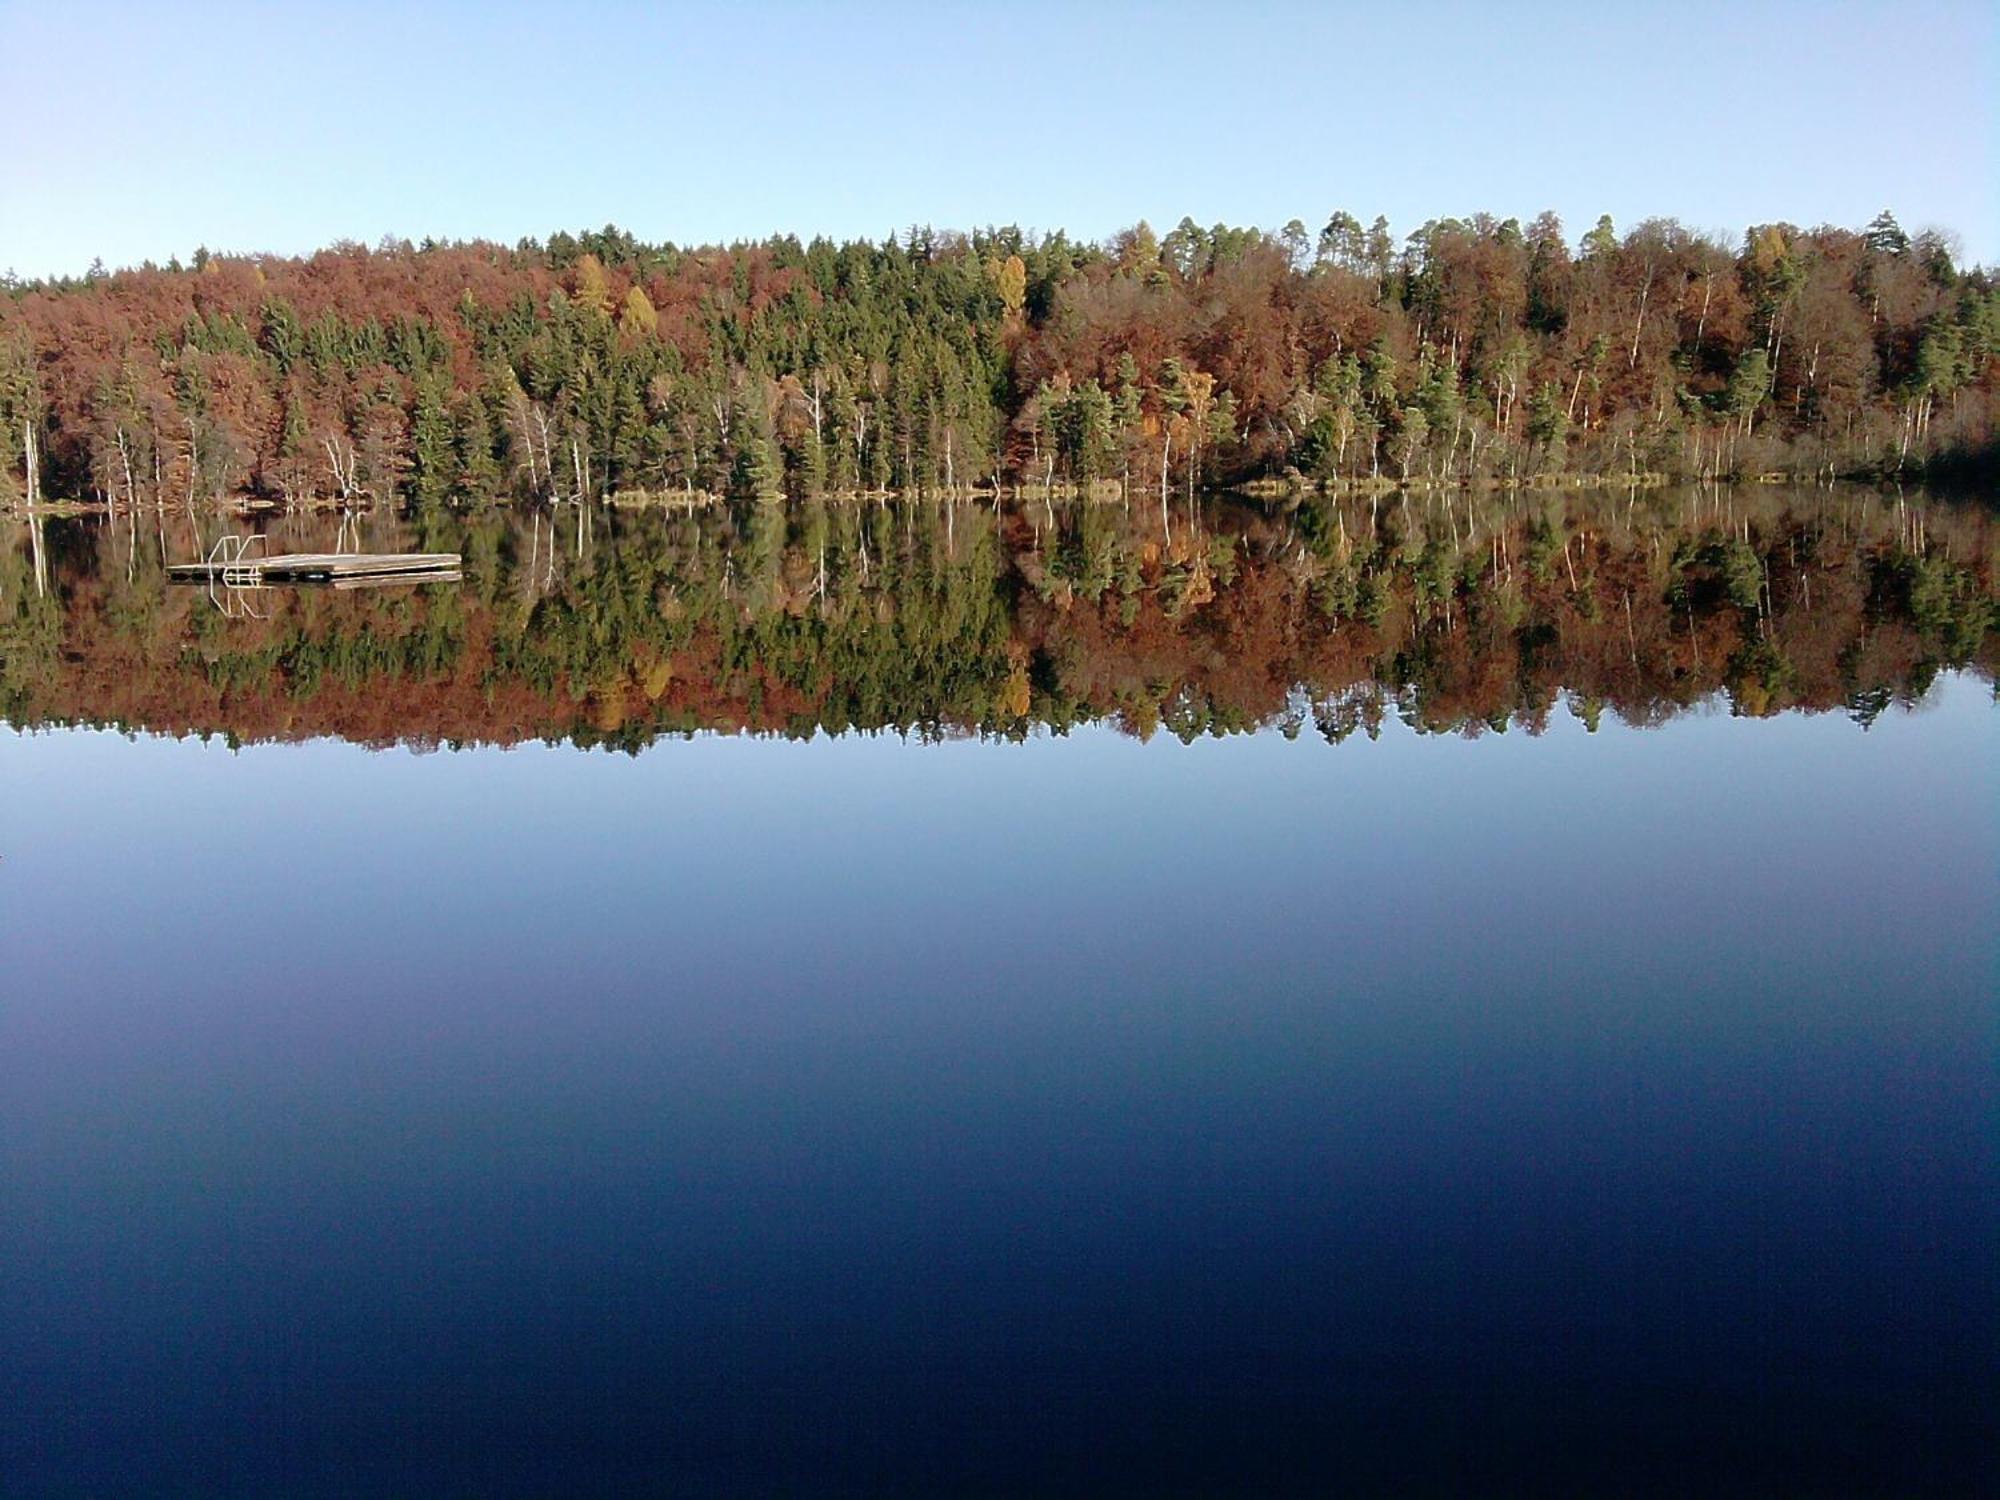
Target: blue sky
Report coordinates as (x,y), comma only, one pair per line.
(141,131)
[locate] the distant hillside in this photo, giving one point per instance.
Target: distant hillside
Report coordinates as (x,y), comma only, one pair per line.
(1476,349)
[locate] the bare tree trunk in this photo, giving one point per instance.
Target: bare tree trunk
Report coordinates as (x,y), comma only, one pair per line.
(41,557)
(548,454)
(31,463)
(125,460)
(1639,324)
(528,445)
(342,465)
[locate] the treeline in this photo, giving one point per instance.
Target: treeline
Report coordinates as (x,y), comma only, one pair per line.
(1458,612)
(1473,350)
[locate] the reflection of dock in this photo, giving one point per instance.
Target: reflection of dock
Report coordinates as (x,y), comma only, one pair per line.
(229,563)
(319,567)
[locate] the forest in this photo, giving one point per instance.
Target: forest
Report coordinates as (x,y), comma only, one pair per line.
(1473,352)
(1453,611)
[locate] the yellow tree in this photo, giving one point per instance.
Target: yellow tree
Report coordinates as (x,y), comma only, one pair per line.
(1010,279)
(593,289)
(636,318)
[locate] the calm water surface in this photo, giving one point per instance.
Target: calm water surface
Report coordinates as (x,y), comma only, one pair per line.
(1062,1117)
(971,1108)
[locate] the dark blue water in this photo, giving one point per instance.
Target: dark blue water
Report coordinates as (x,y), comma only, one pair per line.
(1588,1114)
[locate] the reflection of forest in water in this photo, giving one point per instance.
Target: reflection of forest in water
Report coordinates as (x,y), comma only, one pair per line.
(1455,612)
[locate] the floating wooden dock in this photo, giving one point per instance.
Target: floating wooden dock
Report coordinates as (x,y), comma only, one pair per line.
(350,569)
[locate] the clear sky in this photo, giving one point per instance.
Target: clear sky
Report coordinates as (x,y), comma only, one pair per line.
(134,132)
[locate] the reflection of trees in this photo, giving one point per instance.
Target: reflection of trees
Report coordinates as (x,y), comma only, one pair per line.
(1455,612)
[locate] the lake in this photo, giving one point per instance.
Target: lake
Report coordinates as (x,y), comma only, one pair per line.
(1051,1000)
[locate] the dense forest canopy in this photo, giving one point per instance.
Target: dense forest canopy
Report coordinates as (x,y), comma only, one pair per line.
(1473,349)
(1462,612)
